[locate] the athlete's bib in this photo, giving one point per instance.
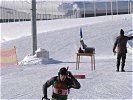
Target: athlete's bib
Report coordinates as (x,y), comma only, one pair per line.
(60,91)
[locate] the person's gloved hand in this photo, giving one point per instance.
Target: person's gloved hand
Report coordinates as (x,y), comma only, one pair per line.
(45,98)
(70,74)
(114,52)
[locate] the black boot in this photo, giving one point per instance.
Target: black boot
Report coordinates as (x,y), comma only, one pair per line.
(122,68)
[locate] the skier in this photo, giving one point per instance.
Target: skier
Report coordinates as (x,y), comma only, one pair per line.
(61,85)
(121,42)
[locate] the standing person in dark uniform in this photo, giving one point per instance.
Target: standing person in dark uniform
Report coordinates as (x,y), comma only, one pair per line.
(120,43)
(61,85)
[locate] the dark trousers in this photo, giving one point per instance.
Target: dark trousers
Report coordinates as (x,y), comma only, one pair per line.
(121,56)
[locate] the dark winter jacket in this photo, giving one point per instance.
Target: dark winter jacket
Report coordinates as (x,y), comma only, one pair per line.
(121,42)
(65,85)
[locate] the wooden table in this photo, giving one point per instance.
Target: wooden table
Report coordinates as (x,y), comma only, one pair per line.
(92,55)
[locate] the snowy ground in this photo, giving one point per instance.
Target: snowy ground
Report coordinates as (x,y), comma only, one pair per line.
(61,38)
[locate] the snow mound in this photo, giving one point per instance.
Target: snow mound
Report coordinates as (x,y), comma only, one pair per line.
(32,60)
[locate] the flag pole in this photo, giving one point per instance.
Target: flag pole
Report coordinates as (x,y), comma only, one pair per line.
(81,36)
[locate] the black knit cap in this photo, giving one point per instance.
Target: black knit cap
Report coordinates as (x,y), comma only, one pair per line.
(121,32)
(63,71)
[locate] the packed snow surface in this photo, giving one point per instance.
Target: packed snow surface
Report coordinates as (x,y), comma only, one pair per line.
(61,38)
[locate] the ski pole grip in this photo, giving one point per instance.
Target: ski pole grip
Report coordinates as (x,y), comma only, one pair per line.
(67,67)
